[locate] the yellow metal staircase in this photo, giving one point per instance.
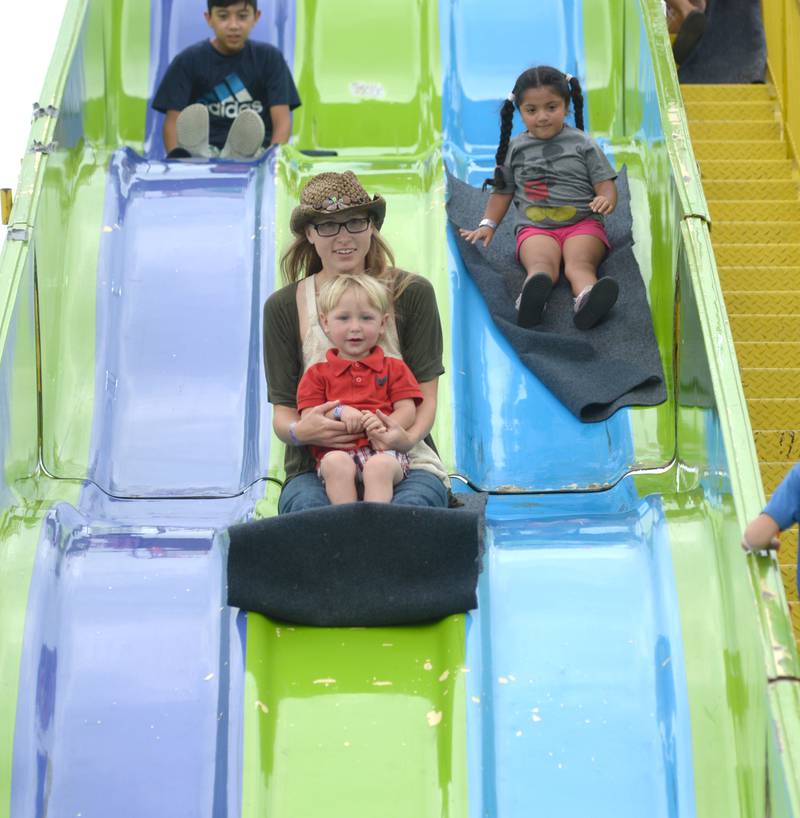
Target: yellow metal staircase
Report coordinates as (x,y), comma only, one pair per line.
(752,192)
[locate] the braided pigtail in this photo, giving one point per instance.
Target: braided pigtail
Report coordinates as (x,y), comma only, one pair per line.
(506,123)
(576,94)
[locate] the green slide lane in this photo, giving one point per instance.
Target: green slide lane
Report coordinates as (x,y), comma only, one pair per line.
(374,718)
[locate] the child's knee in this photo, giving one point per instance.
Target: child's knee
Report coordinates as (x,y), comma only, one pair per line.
(383,466)
(337,465)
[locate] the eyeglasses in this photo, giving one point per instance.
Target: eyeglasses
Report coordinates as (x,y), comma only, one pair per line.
(328,229)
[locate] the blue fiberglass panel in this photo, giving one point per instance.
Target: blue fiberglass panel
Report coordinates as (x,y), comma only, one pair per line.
(510,430)
(131,677)
(577,702)
(177,24)
(180,407)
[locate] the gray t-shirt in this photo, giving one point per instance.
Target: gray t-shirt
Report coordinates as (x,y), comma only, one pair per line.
(553,179)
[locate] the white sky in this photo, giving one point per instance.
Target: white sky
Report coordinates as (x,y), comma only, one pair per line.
(24,59)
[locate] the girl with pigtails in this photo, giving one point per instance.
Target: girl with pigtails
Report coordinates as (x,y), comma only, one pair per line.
(562,186)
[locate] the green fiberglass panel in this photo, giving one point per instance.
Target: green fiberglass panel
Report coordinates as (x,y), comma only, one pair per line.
(71,207)
(368,76)
(357,721)
(103,106)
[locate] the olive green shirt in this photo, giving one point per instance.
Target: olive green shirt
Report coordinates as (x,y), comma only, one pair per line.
(419,332)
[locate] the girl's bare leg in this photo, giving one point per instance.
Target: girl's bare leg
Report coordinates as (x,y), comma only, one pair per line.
(382,473)
(338,471)
(540,254)
(582,257)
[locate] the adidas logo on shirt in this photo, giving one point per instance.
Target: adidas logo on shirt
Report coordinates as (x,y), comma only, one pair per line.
(230,98)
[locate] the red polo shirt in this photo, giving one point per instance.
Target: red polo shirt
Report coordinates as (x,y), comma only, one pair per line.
(374,382)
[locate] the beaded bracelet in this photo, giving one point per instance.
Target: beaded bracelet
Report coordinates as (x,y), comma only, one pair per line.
(293,434)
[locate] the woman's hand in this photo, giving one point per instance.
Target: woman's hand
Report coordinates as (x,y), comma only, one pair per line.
(601,205)
(391,436)
(484,234)
(315,429)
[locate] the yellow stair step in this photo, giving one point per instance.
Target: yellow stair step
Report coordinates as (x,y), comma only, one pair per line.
(774,413)
(768,353)
(738,149)
(757,255)
(766,327)
(736,277)
(729,92)
(788,549)
(752,191)
(755,302)
(736,129)
(771,475)
(789,577)
(777,444)
(794,613)
(767,169)
(755,232)
(751,110)
(723,210)
(771,382)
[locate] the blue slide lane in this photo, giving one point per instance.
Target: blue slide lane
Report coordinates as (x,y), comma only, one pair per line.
(577,701)
(150,697)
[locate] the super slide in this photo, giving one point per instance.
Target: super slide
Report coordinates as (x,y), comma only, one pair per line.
(626,658)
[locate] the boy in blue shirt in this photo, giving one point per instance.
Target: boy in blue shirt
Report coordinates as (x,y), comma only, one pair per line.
(228,96)
(782,511)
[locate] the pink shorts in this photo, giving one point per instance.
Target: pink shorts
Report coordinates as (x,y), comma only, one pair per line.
(585,227)
(363,453)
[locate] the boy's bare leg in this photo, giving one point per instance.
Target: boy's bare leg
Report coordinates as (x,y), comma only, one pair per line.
(338,471)
(382,473)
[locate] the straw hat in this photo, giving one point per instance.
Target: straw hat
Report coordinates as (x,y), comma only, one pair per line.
(328,194)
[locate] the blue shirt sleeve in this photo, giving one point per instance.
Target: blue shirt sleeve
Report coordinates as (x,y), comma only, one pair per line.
(175,90)
(784,507)
(280,86)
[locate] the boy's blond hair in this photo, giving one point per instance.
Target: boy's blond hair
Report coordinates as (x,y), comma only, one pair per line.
(370,288)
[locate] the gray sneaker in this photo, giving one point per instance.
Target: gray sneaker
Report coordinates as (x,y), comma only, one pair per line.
(191,130)
(245,137)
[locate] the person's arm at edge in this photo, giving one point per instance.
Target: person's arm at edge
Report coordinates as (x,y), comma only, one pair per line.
(761,533)
(170,130)
(281,124)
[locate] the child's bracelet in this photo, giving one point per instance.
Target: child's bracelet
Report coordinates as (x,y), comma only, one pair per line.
(293,434)
(488,223)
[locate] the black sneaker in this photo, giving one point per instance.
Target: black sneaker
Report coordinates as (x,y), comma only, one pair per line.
(594,303)
(532,299)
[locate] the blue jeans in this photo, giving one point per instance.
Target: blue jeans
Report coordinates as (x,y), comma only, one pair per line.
(420,488)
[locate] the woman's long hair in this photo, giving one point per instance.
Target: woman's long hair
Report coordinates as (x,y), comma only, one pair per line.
(542,76)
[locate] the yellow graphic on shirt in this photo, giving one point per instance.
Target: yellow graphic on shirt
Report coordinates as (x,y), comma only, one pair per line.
(537,213)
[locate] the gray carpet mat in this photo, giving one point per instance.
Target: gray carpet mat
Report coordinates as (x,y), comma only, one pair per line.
(733,48)
(592,373)
(359,564)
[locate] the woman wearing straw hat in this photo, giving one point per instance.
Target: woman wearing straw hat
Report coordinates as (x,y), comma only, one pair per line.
(337,230)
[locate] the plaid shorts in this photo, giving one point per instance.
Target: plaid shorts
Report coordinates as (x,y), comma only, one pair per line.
(363,453)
